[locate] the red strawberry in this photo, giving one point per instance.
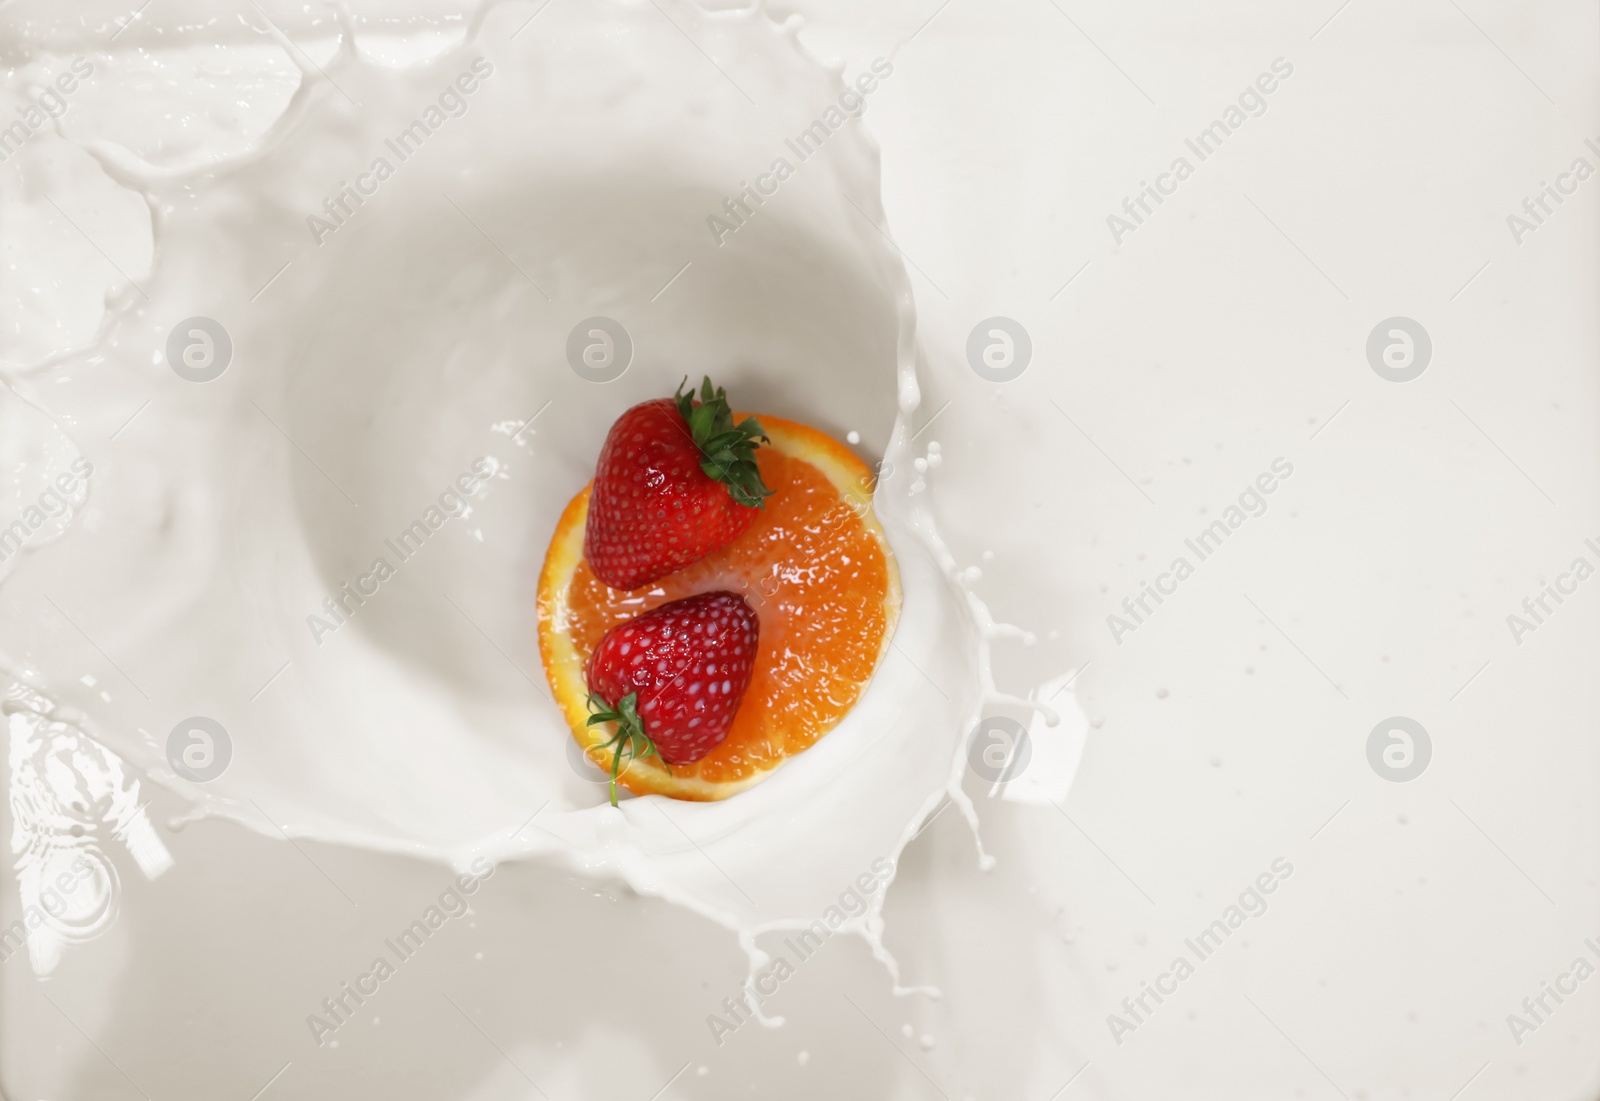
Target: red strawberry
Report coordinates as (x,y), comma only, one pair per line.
(673,678)
(676,480)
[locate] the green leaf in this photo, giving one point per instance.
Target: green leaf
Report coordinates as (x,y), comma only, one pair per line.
(685,401)
(702,420)
(727,450)
(630,742)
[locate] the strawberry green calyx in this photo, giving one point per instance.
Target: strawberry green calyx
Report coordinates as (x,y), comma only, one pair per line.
(727,450)
(630,742)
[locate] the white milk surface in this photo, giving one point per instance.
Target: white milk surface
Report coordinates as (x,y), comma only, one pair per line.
(1331,832)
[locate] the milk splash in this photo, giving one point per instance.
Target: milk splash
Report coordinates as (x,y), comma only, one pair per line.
(370,361)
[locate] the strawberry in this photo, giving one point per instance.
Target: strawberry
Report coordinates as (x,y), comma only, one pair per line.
(673,678)
(676,480)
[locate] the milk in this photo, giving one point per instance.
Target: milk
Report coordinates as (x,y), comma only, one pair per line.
(357,416)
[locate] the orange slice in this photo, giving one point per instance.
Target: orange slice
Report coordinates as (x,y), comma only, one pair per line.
(814,566)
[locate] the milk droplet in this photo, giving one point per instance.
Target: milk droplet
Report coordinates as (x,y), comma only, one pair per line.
(851,437)
(702,1071)
(926,1041)
(1161,693)
(921,465)
(803,1058)
(988,556)
(907,1031)
(1098,721)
